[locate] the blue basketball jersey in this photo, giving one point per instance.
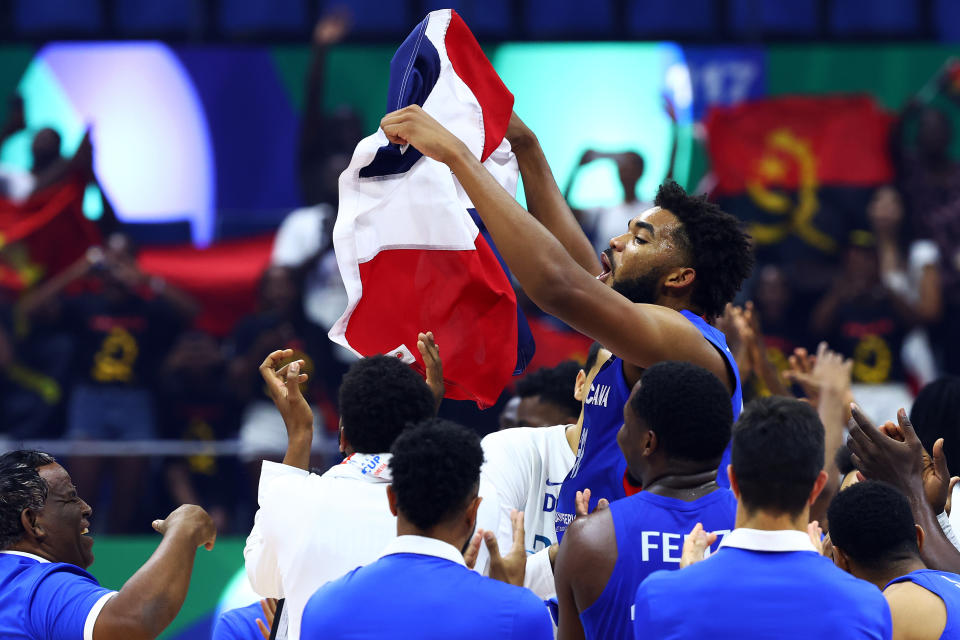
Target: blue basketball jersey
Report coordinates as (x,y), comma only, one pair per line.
(600,465)
(947,586)
(650,531)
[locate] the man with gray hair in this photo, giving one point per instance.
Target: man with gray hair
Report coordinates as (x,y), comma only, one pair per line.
(45,548)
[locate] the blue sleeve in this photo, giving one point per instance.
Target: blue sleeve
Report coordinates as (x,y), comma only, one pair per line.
(532,620)
(239,624)
(60,602)
(640,612)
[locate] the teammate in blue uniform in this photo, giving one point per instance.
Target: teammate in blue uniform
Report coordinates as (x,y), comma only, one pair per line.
(649,298)
(676,425)
(874,538)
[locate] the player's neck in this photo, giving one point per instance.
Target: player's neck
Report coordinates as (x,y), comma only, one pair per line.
(449,532)
(881,578)
(678,303)
(771,521)
(26,547)
(682,484)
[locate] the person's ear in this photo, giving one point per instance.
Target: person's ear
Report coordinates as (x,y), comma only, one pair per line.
(31,525)
(342,439)
(392,499)
(650,443)
(734,486)
(921,537)
(680,278)
(841,559)
(471,514)
(580,387)
(818,486)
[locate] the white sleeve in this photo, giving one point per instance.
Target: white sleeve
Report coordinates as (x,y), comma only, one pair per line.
(944,521)
(539,576)
(91,621)
(507,466)
(265,544)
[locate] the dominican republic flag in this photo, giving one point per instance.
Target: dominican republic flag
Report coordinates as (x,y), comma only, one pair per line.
(411,256)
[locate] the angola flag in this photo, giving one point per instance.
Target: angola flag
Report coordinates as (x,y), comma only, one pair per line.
(799,170)
(43,235)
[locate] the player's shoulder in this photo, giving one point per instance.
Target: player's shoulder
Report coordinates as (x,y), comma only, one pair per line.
(588,540)
(915,611)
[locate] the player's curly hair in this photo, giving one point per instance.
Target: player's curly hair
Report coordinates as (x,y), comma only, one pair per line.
(687,407)
(554,385)
(872,523)
(436,471)
(21,487)
(719,249)
(379,398)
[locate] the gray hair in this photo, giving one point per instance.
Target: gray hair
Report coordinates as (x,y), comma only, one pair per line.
(21,487)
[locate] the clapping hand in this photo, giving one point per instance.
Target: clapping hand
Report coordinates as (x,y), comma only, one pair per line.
(695,546)
(430,352)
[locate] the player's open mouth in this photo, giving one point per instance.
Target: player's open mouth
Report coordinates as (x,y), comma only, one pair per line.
(607,270)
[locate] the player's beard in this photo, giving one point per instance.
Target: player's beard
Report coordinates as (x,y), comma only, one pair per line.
(641,290)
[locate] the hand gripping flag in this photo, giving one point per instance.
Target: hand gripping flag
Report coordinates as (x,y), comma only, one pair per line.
(411,257)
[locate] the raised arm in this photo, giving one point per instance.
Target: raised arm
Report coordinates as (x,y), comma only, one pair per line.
(544,199)
(641,334)
(152,597)
(896,456)
(283,385)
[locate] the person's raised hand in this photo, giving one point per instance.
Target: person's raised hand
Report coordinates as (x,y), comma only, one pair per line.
(695,546)
(879,456)
(193,521)
(332,28)
(430,352)
(582,503)
(269,606)
(816,535)
(283,385)
(831,372)
(512,567)
(412,125)
(801,366)
(937,482)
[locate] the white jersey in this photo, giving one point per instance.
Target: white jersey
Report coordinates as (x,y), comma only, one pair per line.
(526,466)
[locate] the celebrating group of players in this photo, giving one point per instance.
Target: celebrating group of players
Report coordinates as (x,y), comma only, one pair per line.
(660,511)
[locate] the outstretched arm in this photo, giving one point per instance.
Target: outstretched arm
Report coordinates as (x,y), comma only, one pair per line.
(283,385)
(641,334)
(152,597)
(896,456)
(544,199)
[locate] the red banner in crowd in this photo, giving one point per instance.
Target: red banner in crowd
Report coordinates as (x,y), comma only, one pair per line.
(43,235)
(223,278)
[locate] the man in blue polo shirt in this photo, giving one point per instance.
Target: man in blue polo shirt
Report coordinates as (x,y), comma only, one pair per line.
(46,594)
(875,538)
(767,580)
(420,587)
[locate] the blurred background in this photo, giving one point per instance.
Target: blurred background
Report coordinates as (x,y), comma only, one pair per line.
(168,190)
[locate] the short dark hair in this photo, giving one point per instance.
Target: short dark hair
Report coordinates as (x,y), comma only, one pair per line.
(936,414)
(554,385)
(872,523)
(21,487)
(592,356)
(436,470)
(687,407)
(715,243)
(844,460)
(379,397)
(777,454)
